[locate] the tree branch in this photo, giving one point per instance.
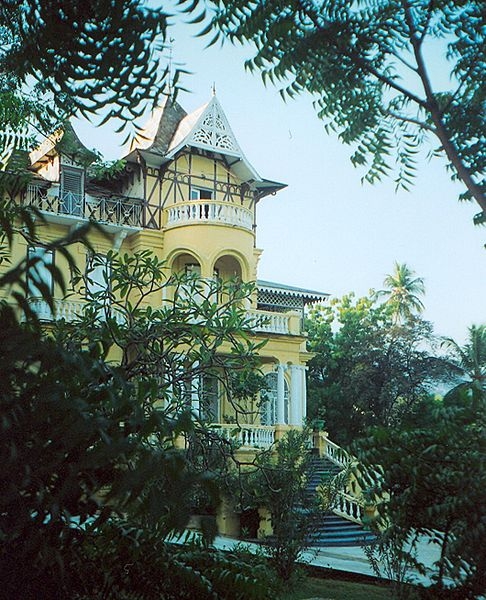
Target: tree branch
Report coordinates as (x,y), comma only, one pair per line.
(436,115)
(417,122)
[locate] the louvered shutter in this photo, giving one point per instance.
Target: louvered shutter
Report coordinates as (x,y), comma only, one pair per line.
(72,190)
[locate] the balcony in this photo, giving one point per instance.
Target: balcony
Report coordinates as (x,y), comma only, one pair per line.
(264,321)
(69,310)
(66,205)
(209,211)
(247,436)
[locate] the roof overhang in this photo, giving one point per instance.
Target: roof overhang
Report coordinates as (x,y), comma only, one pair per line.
(308,296)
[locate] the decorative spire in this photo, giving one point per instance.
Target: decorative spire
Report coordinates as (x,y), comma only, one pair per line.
(214,88)
(171,47)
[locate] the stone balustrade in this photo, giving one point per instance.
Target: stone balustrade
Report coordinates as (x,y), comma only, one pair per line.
(69,310)
(273,322)
(348,507)
(336,454)
(209,211)
(247,436)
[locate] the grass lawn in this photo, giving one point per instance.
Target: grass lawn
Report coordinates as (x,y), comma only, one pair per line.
(333,589)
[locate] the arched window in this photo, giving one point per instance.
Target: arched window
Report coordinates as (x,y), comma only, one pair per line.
(269,399)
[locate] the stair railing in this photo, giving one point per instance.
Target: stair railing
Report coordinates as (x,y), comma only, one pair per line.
(336,454)
(348,507)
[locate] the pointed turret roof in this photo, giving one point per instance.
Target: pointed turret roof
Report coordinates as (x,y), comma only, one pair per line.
(170,129)
(63,141)
(207,128)
(159,130)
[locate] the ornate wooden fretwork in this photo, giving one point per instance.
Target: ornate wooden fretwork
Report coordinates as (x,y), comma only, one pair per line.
(213,131)
(279,302)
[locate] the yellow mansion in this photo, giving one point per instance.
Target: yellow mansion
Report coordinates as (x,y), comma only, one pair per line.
(187,193)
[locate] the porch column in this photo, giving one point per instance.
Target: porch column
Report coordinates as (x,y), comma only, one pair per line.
(280,395)
(304,393)
(296,391)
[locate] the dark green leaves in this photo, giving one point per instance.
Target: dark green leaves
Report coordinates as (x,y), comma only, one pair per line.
(368,66)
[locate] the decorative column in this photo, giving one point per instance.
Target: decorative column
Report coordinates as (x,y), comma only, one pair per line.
(295,395)
(280,395)
(304,394)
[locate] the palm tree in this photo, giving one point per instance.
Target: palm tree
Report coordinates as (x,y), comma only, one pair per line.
(404,291)
(469,361)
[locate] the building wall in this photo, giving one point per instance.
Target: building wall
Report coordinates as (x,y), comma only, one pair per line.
(221,246)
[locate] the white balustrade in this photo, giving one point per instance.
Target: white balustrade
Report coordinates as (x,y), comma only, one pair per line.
(209,212)
(336,454)
(247,436)
(69,310)
(269,322)
(348,507)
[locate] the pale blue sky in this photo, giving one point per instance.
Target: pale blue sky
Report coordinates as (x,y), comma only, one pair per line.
(327,231)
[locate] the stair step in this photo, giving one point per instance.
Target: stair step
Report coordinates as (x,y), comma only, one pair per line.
(330,529)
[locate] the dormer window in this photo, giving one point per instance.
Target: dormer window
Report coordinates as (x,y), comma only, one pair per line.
(201,194)
(71,198)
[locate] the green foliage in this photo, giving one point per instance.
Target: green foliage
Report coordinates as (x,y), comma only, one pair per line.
(468,361)
(104,56)
(74,449)
(86,438)
(361,62)
(175,329)
(403,291)
(279,484)
(368,368)
(107,171)
(429,480)
(390,560)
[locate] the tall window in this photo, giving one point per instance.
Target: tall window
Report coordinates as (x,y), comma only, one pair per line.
(97,275)
(40,281)
(39,276)
(72,191)
(209,399)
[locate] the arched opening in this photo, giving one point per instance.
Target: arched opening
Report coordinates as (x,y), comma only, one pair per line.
(269,400)
(226,269)
(187,264)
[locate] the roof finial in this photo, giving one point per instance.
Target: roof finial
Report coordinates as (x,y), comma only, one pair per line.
(169,67)
(214,89)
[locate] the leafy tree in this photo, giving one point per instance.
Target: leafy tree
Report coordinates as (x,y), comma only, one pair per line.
(370,68)
(428,480)
(129,562)
(58,59)
(85,438)
(278,483)
(177,330)
(404,290)
(469,361)
(368,369)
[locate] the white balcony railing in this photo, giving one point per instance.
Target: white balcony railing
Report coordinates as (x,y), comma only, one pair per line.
(196,212)
(247,436)
(268,322)
(336,454)
(69,310)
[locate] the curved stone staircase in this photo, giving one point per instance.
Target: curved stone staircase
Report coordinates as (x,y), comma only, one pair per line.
(328,528)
